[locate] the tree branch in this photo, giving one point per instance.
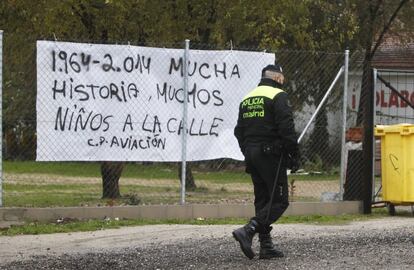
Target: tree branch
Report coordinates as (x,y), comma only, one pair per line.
(375,10)
(387,26)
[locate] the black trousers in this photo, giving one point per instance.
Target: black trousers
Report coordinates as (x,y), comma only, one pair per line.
(262,168)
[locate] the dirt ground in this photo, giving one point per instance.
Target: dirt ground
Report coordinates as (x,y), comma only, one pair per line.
(386,243)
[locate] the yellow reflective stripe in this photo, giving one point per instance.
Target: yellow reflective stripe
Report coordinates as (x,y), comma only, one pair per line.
(264,91)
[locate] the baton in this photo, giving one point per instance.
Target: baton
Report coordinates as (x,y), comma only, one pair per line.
(277,176)
(303,133)
(274,187)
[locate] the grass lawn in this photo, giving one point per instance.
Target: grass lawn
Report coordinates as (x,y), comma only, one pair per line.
(46,184)
(152,171)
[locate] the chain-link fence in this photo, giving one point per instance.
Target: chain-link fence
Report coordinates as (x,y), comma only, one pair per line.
(394,97)
(392,91)
(394,104)
(94,124)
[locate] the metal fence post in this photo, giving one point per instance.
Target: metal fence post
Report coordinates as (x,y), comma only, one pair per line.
(1,118)
(374,144)
(344,117)
(184,134)
(325,97)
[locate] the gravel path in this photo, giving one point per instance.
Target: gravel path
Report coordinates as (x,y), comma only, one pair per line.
(377,244)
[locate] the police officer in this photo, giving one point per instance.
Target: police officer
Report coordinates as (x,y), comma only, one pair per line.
(266,135)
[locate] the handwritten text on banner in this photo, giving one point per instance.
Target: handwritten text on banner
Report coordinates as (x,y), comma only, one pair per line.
(125,103)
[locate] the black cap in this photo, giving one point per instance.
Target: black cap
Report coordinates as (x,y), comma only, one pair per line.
(275,68)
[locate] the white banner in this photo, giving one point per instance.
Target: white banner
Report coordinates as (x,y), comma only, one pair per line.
(125,103)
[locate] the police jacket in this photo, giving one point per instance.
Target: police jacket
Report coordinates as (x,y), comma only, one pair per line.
(265,116)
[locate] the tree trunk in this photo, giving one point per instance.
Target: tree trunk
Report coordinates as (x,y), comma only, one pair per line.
(11,145)
(111,172)
(189,178)
(319,139)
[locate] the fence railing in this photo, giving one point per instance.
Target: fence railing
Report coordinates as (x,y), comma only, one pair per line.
(394,101)
(34,122)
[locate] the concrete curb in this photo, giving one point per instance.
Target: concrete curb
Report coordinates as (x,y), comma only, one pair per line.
(189,211)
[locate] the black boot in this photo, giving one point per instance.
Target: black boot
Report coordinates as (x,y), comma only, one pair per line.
(244,236)
(267,249)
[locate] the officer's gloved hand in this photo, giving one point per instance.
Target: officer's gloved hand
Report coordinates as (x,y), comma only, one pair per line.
(293,162)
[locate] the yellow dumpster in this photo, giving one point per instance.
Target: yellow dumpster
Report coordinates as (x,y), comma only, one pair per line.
(397,162)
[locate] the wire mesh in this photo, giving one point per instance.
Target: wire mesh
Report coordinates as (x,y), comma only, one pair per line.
(388,108)
(394,101)
(122,179)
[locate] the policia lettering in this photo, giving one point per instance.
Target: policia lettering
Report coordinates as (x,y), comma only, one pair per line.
(253,105)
